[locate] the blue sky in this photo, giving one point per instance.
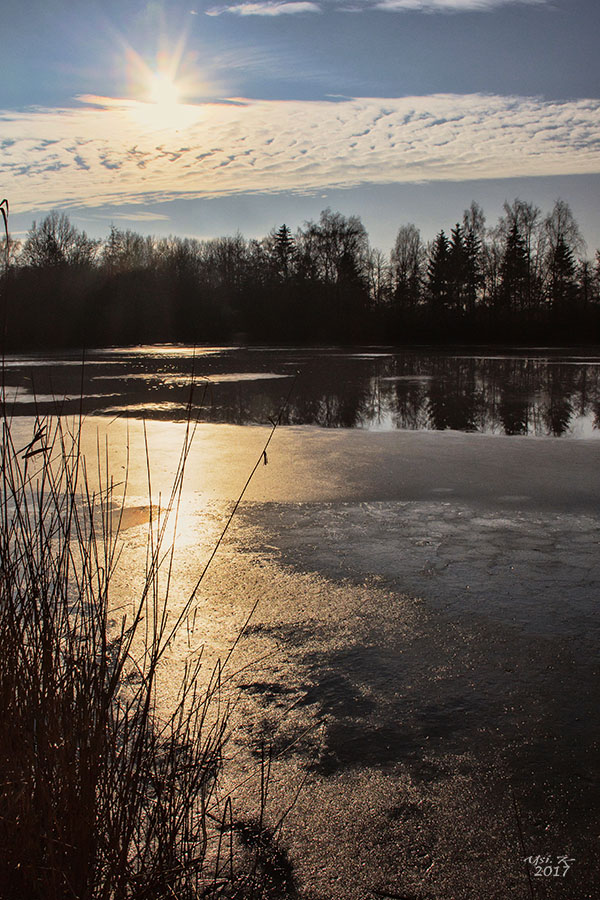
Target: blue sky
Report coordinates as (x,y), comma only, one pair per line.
(269,111)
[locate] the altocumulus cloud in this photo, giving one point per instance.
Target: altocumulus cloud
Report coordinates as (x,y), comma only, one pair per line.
(290,7)
(114,151)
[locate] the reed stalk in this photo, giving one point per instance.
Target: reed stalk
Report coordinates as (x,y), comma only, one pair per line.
(102,797)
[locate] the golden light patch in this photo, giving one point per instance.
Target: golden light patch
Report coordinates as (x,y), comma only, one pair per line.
(163,90)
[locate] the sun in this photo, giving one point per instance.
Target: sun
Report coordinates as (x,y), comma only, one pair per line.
(163,106)
(163,90)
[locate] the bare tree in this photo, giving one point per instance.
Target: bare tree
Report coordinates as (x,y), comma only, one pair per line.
(559,225)
(474,220)
(55,242)
(335,244)
(126,251)
(407,263)
(379,276)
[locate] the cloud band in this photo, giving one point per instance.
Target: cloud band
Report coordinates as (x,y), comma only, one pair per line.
(294,7)
(116,151)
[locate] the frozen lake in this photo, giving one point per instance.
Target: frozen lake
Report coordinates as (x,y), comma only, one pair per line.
(424,549)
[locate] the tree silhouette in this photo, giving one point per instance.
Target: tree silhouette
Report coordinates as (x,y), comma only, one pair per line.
(527,218)
(407,260)
(562,287)
(473,270)
(283,253)
(438,274)
(523,280)
(55,242)
(514,272)
(457,268)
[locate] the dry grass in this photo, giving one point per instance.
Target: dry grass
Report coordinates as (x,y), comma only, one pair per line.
(100,796)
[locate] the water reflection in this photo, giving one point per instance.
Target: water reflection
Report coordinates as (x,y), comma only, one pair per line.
(541,392)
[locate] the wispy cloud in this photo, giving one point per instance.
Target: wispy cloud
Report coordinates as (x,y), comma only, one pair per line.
(432,6)
(266,8)
(118,152)
(273,8)
(137,217)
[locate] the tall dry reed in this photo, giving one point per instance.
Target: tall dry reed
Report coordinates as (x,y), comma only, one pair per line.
(100,796)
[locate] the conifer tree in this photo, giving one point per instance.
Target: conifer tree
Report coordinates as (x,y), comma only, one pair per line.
(473,269)
(562,285)
(284,252)
(457,267)
(438,272)
(514,271)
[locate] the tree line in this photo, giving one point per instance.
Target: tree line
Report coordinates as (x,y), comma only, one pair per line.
(526,278)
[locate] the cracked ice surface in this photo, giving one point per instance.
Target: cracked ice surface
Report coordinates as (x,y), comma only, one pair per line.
(425,640)
(538,570)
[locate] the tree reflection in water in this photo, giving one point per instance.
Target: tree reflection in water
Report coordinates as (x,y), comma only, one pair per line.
(541,392)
